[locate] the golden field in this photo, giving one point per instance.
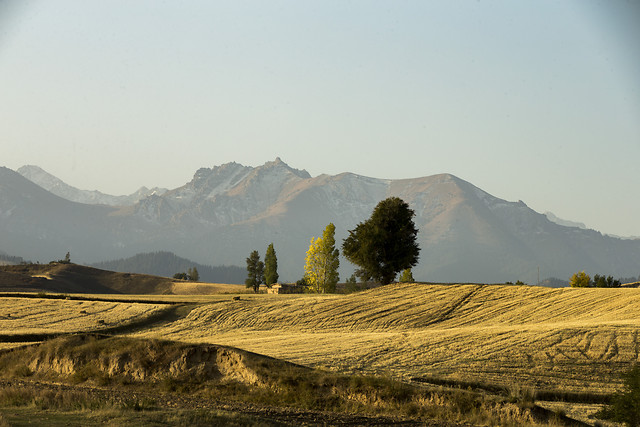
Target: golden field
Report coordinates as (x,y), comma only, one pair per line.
(570,340)
(24,316)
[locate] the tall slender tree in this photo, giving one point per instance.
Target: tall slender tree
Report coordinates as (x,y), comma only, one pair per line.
(270,266)
(255,271)
(193,274)
(322,262)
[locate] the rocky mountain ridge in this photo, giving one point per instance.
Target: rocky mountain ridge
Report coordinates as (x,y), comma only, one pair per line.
(58,187)
(225,212)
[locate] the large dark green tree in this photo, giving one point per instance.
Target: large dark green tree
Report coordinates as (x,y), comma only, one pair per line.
(255,271)
(385,244)
(270,266)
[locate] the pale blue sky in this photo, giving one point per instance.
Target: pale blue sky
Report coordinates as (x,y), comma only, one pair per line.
(536,100)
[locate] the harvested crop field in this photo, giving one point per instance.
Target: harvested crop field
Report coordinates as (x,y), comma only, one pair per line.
(28,316)
(564,340)
(197,288)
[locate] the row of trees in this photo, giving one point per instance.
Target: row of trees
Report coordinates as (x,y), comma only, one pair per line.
(191,275)
(380,247)
(262,272)
(385,244)
(583,280)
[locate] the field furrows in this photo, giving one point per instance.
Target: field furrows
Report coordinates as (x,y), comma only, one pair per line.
(549,338)
(19,316)
(558,339)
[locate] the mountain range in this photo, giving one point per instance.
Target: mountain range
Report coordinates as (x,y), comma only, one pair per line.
(225,212)
(59,188)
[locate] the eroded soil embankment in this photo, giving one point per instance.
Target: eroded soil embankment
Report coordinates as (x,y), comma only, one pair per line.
(137,360)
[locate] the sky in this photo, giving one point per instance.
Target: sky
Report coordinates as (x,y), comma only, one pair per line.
(536,101)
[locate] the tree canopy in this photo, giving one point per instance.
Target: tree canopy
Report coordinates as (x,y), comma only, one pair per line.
(255,271)
(322,262)
(580,280)
(270,266)
(385,244)
(406,276)
(193,274)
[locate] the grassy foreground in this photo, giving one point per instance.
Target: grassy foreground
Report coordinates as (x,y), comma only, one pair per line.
(90,378)
(510,345)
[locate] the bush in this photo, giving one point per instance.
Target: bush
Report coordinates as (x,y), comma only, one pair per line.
(22,371)
(625,406)
(406,276)
(580,280)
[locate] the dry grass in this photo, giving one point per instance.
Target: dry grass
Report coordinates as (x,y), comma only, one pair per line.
(19,316)
(197,288)
(146,298)
(9,345)
(582,412)
(173,371)
(569,340)
(556,339)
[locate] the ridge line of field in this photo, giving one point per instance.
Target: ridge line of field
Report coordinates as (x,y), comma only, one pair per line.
(83,298)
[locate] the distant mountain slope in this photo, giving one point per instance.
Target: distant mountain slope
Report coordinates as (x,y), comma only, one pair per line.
(50,183)
(41,226)
(553,218)
(225,212)
(167,264)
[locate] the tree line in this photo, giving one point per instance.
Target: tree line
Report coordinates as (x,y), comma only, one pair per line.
(583,280)
(380,247)
(167,264)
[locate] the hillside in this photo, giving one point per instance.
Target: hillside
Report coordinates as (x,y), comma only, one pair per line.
(225,212)
(159,382)
(567,344)
(550,339)
(73,278)
(167,264)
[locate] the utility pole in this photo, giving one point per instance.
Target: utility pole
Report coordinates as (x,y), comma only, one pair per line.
(538,275)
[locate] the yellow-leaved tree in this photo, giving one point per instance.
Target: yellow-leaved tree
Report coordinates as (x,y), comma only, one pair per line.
(322,262)
(580,280)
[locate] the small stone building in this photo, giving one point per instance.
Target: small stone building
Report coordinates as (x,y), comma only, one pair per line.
(284,288)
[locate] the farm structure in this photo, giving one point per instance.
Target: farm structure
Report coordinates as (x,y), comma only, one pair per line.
(285,288)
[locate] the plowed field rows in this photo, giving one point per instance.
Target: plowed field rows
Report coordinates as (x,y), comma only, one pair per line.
(19,316)
(558,339)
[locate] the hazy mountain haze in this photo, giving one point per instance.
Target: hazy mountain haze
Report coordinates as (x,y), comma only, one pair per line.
(225,212)
(60,188)
(536,101)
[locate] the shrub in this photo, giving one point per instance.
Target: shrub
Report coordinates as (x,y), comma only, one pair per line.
(580,280)
(625,406)
(22,371)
